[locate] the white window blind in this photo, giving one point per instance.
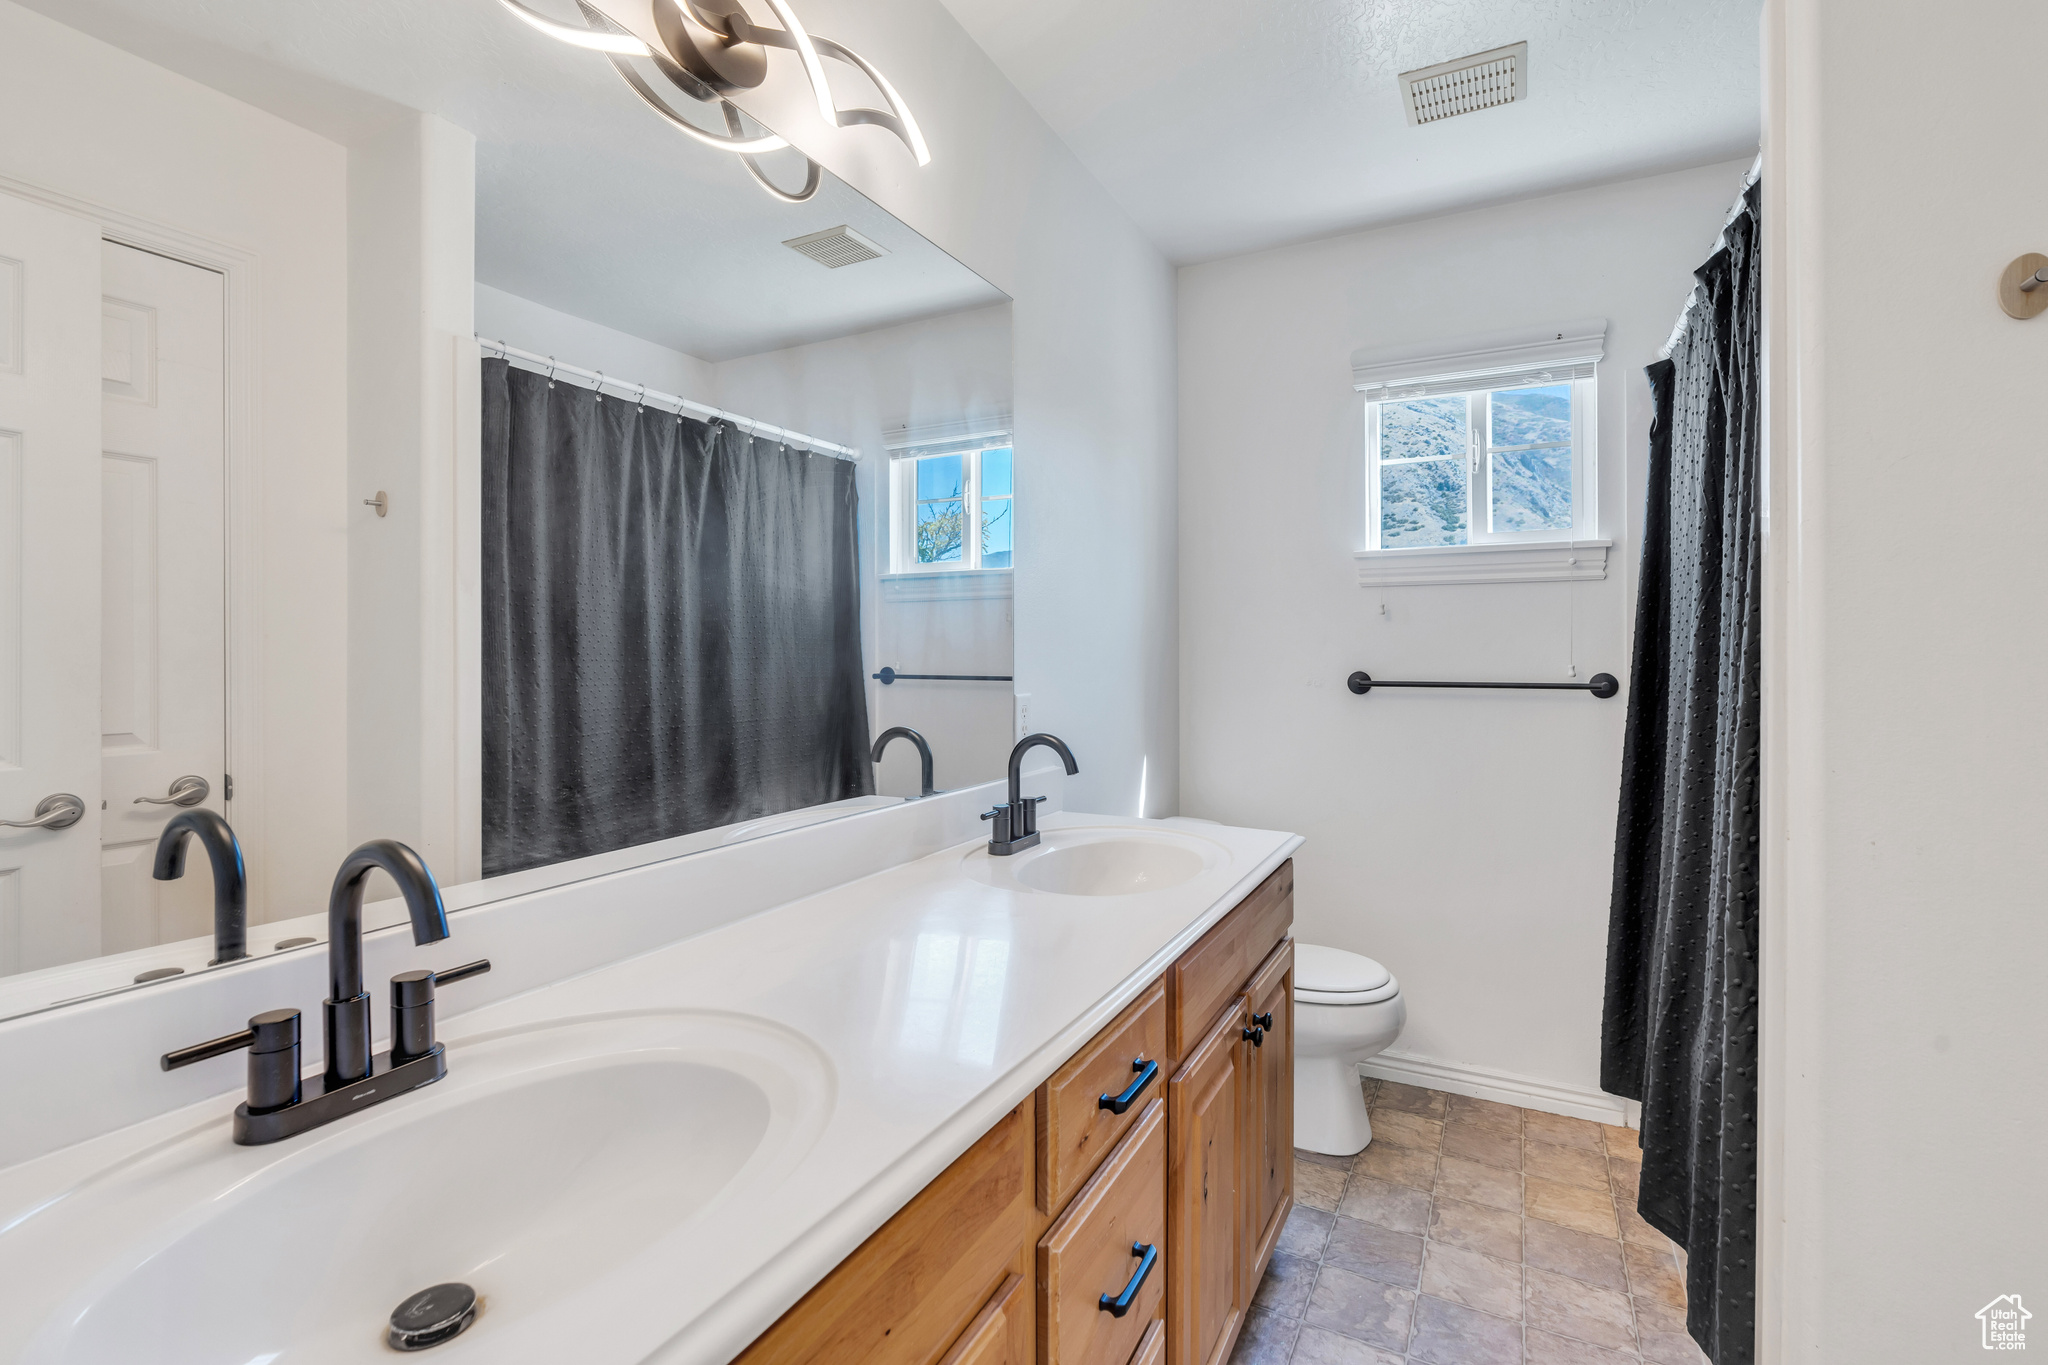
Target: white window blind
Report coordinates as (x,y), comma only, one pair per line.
(1552,355)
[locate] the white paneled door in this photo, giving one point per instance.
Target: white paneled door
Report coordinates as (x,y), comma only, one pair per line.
(49,582)
(163,590)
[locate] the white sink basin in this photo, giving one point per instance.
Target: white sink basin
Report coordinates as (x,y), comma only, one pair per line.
(547,1160)
(1101,860)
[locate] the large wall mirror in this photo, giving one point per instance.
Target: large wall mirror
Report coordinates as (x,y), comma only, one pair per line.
(413,435)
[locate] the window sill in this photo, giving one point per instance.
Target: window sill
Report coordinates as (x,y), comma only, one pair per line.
(1556,561)
(946,585)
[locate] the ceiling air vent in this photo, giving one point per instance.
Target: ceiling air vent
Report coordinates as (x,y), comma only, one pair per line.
(1479,81)
(835,247)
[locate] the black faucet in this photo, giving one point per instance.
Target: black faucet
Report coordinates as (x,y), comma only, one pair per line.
(924,755)
(280,1104)
(347,1009)
(230,879)
(1016,822)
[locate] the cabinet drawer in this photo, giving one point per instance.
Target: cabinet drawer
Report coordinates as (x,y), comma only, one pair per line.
(1152,1350)
(1216,968)
(1001,1333)
(1075,1129)
(927,1274)
(1111,1238)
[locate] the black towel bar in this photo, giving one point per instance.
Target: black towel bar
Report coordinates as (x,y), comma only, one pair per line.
(889,675)
(1601,685)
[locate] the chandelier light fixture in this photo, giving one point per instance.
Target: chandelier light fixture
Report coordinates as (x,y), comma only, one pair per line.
(710,47)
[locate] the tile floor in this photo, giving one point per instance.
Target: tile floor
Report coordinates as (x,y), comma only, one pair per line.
(1470,1233)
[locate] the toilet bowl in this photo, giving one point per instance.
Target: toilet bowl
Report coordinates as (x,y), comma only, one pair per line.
(1346,1008)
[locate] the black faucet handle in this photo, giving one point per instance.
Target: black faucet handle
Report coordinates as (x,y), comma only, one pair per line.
(273,1042)
(412,1008)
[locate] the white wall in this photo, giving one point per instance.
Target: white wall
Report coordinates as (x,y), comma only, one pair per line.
(507,317)
(87,120)
(1905,1093)
(1464,839)
(852,390)
(412,272)
(1094,374)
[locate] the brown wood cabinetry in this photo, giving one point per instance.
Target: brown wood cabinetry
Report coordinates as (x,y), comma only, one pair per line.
(1199,1164)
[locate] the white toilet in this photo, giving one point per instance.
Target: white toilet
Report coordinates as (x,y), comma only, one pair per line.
(1346,1008)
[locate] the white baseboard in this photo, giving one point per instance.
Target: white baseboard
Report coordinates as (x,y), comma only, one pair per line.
(1526,1092)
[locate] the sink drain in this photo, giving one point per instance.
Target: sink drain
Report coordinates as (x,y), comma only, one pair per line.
(432,1316)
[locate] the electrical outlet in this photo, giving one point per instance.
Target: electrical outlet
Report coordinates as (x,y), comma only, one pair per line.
(1023,700)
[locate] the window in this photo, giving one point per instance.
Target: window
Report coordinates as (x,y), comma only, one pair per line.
(954,506)
(1483,466)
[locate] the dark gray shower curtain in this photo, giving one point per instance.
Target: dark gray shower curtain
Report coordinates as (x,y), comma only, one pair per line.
(671,625)
(1680,1026)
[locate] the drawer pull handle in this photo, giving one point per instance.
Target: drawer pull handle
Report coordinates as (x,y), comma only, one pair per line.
(1255,1036)
(1121,1304)
(1264,1021)
(1116,1104)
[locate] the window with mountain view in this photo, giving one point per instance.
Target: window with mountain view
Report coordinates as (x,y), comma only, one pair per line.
(1491,465)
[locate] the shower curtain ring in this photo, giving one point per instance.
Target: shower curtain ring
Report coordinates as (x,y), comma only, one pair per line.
(551,372)
(640,403)
(600,386)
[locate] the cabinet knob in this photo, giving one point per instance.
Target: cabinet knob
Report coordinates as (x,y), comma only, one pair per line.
(1255,1036)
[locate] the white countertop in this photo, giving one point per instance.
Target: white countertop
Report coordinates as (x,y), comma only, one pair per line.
(939,1000)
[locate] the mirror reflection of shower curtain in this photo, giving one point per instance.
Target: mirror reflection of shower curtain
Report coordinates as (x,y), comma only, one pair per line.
(1679,1031)
(671,625)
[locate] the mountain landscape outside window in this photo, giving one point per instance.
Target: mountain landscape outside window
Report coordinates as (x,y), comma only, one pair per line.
(1485,466)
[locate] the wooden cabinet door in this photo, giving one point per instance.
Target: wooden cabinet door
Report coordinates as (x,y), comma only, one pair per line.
(1270,1112)
(1205,1198)
(1108,1245)
(1001,1334)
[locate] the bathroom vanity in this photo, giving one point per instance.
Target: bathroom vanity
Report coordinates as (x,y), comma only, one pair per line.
(1115,1216)
(853,1092)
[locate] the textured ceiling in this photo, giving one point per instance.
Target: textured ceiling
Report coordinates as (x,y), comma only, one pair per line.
(1224,127)
(586,201)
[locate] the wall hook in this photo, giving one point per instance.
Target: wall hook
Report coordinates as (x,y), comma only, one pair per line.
(381,502)
(2023,287)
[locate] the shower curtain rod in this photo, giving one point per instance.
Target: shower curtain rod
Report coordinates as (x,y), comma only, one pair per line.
(641,394)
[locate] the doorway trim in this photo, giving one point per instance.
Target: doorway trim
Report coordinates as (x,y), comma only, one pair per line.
(238,267)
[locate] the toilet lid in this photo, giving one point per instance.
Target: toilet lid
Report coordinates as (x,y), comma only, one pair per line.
(1332,971)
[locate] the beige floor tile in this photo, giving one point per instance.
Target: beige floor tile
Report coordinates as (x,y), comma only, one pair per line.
(1485,1113)
(1375,1252)
(1596,1260)
(1625,1178)
(1317,1347)
(1543,1348)
(1457,1178)
(1563,1131)
(1412,1166)
(1653,1274)
(1569,1206)
(1265,1340)
(1475,1227)
(1474,1280)
(1572,1308)
(1623,1144)
(1406,1130)
(1362,1309)
(1566,1165)
(1492,1146)
(1634,1229)
(1656,1315)
(1672,1348)
(1409,1099)
(1451,1334)
(1391,1206)
(1319,1187)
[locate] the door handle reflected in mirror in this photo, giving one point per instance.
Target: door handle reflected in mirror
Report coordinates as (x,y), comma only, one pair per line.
(188,790)
(59,811)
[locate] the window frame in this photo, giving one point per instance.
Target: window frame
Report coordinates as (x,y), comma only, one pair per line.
(1478,457)
(903,504)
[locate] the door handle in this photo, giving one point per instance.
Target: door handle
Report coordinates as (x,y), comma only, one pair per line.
(59,811)
(188,790)
(1118,1305)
